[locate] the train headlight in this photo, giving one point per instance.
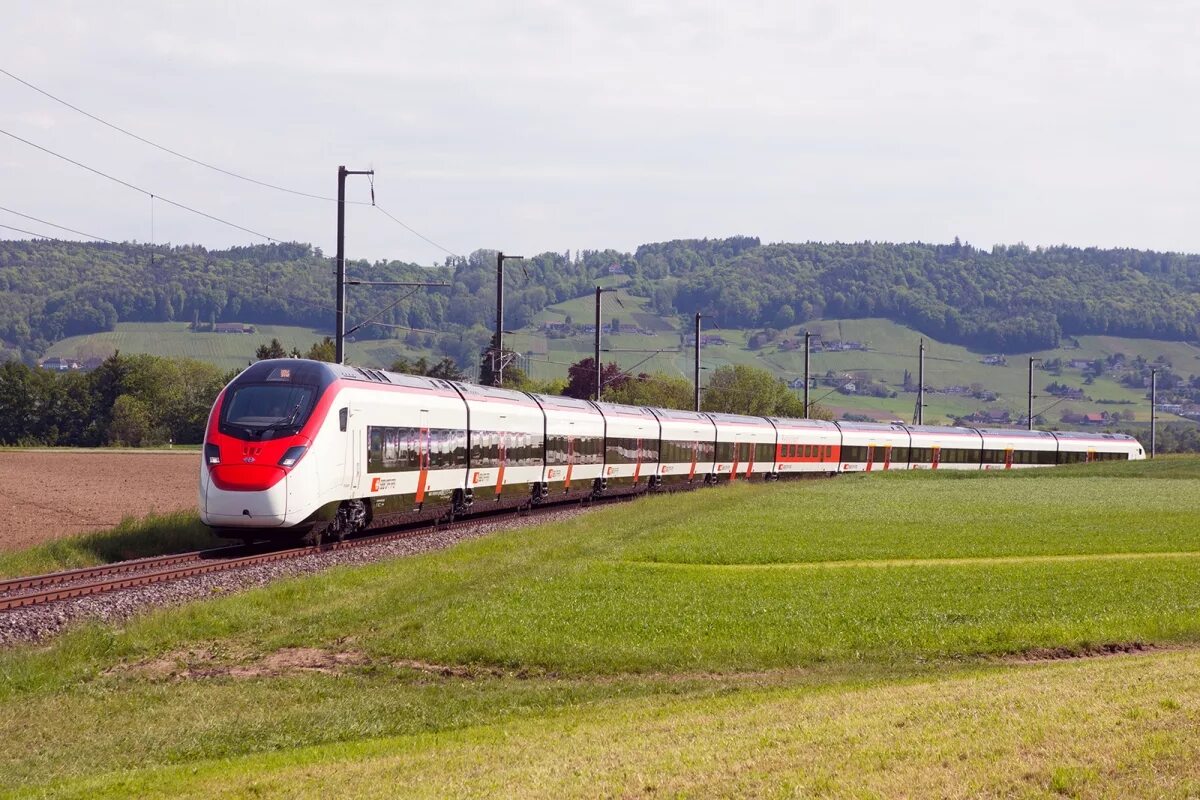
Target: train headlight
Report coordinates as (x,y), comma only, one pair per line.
(212,454)
(292,456)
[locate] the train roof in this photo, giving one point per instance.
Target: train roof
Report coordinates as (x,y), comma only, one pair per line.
(679,415)
(1015,433)
(561,402)
(793,422)
(1090,436)
(624,410)
(945,430)
(473,391)
(738,419)
(871,427)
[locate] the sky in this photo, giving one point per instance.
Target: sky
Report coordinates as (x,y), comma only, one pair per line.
(550,126)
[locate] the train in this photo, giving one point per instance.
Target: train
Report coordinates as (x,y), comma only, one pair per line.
(299,449)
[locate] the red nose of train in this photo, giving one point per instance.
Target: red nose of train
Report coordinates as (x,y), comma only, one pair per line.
(253,468)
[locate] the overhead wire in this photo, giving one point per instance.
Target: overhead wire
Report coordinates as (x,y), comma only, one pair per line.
(147,192)
(164,148)
(228,172)
(30,233)
(60,227)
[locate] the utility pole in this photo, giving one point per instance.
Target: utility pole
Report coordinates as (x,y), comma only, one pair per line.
(498,352)
(921,385)
(340,323)
(1030,420)
(807,368)
(696,365)
(599,370)
(1153,411)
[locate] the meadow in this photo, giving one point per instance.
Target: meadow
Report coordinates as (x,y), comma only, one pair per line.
(918,633)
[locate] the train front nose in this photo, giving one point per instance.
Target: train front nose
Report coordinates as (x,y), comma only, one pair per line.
(245,495)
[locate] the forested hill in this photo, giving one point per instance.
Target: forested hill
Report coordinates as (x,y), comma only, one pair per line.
(1008,299)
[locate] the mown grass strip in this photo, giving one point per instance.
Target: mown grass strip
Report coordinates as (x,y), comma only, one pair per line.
(1125,726)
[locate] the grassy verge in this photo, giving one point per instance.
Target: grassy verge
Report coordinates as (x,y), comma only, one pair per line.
(133,538)
(1112,727)
(708,608)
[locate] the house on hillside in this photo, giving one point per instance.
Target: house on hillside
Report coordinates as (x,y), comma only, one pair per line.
(56,364)
(232,327)
(995,360)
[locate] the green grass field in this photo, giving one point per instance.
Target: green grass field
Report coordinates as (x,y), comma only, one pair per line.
(860,636)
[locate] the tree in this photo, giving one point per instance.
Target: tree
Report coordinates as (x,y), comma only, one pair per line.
(656,390)
(749,390)
(132,423)
(581,379)
(445,369)
(324,350)
(272,350)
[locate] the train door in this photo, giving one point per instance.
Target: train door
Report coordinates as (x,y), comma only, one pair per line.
(637,469)
(1091,455)
(503,458)
(749,459)
(570,460)
(354,461)
(1008,458)
(887,457)
(737,452)
(423,448)
(870,456)
(937,457)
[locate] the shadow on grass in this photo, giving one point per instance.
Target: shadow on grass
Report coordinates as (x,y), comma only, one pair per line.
(132,538)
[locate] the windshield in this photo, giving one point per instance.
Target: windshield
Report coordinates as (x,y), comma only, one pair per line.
(257,408)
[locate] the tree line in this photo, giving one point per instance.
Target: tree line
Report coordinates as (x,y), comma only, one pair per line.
(1006,299)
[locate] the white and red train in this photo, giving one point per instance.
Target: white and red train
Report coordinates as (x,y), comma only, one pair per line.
(298,447)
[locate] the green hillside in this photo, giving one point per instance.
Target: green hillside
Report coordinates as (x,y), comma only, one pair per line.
(892,350)
(225,350)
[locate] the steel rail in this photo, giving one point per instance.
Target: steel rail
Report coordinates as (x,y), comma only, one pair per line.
(144,572)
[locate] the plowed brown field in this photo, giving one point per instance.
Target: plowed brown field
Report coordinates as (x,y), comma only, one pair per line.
(48,494)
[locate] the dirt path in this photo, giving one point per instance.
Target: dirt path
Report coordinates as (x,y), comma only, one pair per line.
(48,494)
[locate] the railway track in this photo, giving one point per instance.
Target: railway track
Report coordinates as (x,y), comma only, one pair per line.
(40,589)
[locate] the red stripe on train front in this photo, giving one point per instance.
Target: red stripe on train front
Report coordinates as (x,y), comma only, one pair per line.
(245,477)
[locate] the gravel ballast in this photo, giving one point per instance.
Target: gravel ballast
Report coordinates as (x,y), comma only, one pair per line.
(37,623)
